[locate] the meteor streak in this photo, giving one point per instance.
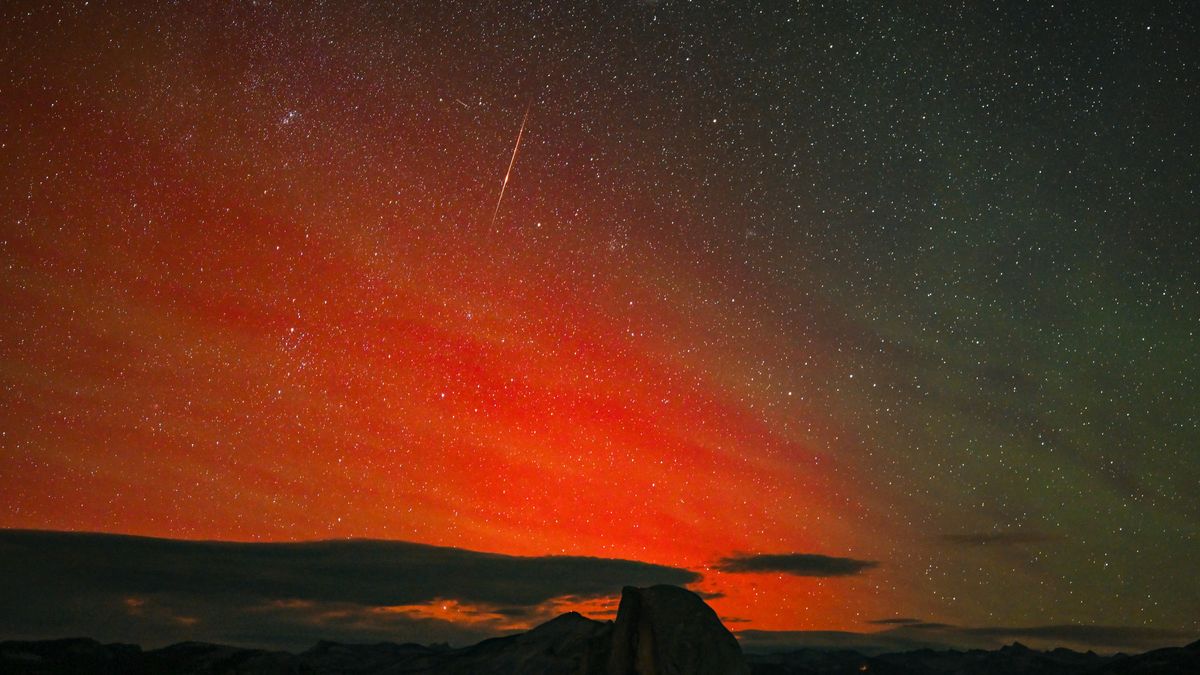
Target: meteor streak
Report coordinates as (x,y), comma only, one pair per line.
(511,162)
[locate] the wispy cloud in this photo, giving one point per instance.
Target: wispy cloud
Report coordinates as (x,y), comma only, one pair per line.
(798,564)
(1134,637)
(922,635)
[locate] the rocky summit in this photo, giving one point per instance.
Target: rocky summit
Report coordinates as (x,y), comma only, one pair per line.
(666,630)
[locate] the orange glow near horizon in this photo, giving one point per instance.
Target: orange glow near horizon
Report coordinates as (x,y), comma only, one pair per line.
(512,407)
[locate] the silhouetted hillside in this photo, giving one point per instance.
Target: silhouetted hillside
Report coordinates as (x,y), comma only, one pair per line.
(661,630)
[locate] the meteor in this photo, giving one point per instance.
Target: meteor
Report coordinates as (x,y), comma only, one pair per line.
(511,162)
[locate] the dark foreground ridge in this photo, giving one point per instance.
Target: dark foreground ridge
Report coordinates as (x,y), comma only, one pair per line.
(1015,659)
(661,630)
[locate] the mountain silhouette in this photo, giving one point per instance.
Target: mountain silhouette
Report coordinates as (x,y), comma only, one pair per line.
(660,630)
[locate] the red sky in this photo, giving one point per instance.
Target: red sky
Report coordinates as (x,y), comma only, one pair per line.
(252,291)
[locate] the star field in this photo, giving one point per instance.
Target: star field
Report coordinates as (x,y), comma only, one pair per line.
(911,286)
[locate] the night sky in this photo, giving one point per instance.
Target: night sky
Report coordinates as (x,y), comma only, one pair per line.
(839,312)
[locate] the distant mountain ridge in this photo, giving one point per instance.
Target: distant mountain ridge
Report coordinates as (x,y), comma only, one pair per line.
(553,655)
(660,630)
(1014,659)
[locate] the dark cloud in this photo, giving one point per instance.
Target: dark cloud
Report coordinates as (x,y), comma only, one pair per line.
(1125,637)
(895,621)
(997,538)
(924,635)
(768,641)
(798,564)
(515,612)
(285,594)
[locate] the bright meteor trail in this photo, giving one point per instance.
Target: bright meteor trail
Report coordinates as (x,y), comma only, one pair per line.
(511,162)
